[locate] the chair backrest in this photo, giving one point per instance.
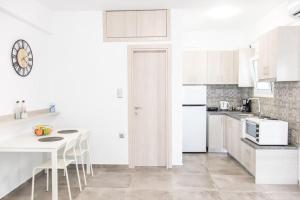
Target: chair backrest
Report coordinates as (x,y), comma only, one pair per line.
(84,136)
(71,144)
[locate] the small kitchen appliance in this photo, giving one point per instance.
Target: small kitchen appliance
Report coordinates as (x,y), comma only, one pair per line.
(266,131)
(224,105)
(246,105)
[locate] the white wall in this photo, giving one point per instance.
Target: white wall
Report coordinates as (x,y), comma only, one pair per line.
(216,39)
(86,79)
(30,12)
(279,16)
(15,167)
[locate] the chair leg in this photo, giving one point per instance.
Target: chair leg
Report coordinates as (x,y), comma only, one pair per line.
(32,187)
(68,183)
(78,176)
(83,169)
(47,185)
(90,163)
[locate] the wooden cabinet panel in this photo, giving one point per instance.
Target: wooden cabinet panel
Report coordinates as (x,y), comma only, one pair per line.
(214,75)
(136,25)
(273,53)
(221,67)
(248,158)
(194,67)
(216,133)
(263,63)
(121,24)
(236,64)
(213,67)
(245,73)
(233,134)
(152,23)
(279,52)
(236,138)
(227,137)
(227,67)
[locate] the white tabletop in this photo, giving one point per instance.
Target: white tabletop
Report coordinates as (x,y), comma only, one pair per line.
(30,143)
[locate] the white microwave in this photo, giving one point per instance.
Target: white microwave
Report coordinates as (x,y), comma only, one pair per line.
(266,131)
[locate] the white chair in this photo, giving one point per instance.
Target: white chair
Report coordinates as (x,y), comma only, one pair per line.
(82,150)
(61,164)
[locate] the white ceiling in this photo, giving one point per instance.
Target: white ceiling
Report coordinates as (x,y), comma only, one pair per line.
(195,17)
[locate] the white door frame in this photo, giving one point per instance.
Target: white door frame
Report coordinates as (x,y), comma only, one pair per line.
(168,145)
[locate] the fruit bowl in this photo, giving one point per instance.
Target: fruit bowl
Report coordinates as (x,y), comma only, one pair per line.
(42,130)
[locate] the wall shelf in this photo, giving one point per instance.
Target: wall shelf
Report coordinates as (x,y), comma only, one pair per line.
(32,115)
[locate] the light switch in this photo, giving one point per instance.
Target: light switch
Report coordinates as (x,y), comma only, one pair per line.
(119,93)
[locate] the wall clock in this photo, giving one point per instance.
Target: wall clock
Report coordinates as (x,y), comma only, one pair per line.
(22,58)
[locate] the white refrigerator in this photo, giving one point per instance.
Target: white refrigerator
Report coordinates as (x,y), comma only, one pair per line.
(194,119)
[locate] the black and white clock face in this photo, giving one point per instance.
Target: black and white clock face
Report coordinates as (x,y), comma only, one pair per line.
(22,58)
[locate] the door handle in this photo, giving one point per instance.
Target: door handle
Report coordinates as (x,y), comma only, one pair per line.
(137,107)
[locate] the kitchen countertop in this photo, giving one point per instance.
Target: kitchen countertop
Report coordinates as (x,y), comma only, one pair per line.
(234,114)
(256,146)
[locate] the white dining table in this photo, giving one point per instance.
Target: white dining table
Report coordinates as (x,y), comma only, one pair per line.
(31,144)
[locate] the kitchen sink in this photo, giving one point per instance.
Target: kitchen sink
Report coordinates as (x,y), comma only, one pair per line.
(246,115)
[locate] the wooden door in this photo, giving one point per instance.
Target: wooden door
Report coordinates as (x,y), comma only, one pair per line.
(194,67)
(120,24)
(148,107)
(152,23)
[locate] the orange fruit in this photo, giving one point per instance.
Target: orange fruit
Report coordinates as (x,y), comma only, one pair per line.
(38,132)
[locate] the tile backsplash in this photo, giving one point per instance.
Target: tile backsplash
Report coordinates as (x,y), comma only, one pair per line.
(285,105)
(231,93)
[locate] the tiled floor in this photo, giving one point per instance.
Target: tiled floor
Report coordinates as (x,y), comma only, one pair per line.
(203,177)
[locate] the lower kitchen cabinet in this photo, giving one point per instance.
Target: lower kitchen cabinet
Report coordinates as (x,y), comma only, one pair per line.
(216,133)
(268,164)
(233,135)
(248,158)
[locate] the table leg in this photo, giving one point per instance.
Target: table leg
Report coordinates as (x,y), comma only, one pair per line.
(54,176)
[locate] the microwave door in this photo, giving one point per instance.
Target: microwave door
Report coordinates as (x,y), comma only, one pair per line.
(251,129)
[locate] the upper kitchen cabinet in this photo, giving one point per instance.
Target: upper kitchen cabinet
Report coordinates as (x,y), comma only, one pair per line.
(222,67)
(194,67)
(279,54)
(214,74)
(245,57)
(210,67)
(136,25)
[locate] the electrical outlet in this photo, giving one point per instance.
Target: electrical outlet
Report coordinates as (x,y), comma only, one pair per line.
(121,135)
